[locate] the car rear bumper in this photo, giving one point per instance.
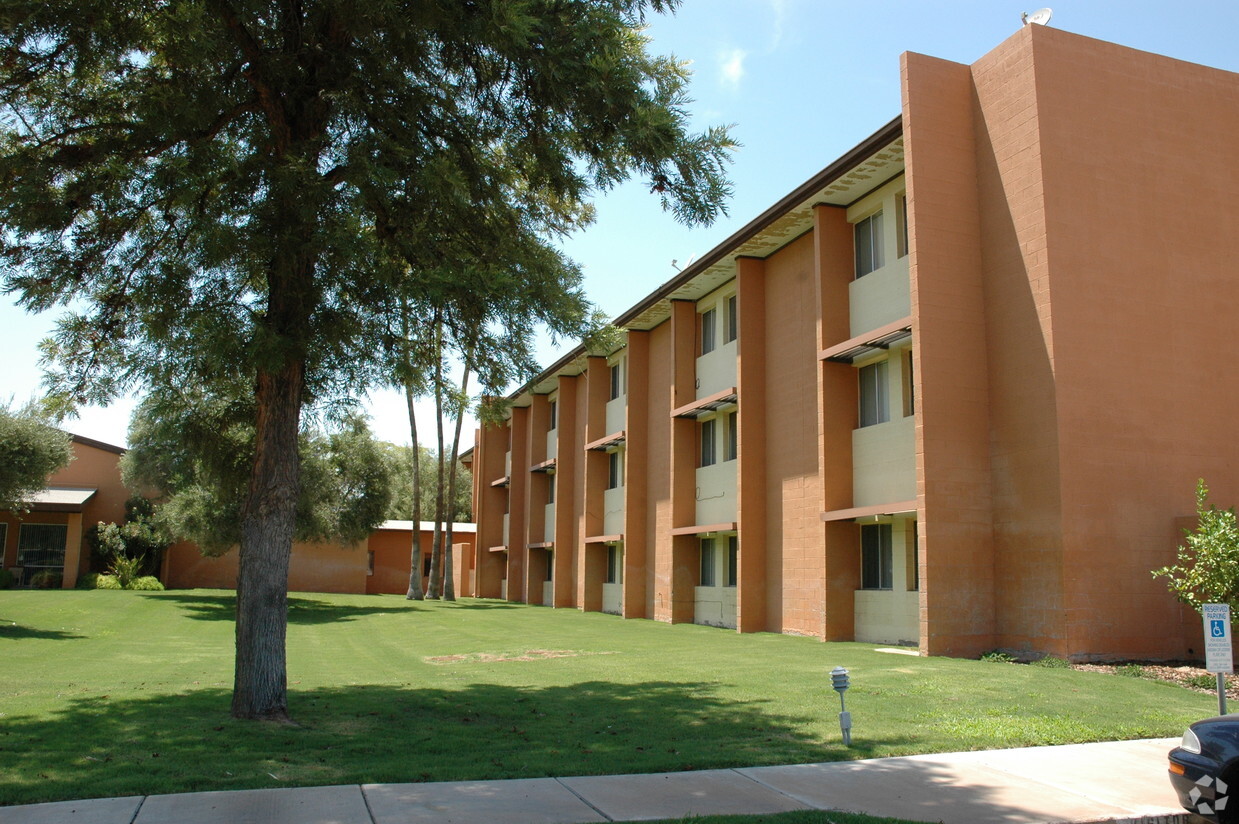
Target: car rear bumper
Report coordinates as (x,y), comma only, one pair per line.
(1194,779)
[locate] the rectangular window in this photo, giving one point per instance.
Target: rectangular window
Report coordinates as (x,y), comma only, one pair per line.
(615,564)
(617,379)
(41,546)
(707,454)
(550,565)
(733,329)
(914,568)
(901,220)
(615,470)
(4,534)
(874,407)
(554,415)
(875,556)
(868,238)
(733,559)
(707,562)
(709,319)
(732,447)
(370,562)
(909,390)
(550,488)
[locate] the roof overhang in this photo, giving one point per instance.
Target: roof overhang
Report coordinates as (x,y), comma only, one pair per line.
(61,499)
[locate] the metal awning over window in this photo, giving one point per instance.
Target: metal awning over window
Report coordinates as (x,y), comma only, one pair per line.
(504,481)
(877,340)
(61,498)
(710,403)
(607,442)
(545,466)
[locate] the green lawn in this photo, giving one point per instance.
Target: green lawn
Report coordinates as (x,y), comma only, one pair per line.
(113,693)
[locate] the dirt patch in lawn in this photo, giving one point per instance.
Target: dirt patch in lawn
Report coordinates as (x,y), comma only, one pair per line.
(497,657)
(1185,675)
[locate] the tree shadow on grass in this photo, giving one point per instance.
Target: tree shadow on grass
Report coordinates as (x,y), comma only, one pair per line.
(131,744)
(301,609)
(12,629)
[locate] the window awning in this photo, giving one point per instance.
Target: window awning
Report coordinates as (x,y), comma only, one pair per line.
(605,539)
(876,340)
(543,545)
(703,529)
(857,512)
(504,481)
(61,498)
(709,403)
(546,466)
(607,442)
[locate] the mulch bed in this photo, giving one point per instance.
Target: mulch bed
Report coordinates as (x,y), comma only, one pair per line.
(1185,675)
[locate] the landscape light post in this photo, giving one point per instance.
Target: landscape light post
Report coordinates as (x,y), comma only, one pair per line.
(839,680)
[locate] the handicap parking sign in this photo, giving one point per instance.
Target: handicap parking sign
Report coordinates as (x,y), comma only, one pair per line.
(1217,629)
(1217,638)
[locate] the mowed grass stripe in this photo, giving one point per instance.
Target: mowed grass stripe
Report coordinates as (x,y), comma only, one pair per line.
(111,693)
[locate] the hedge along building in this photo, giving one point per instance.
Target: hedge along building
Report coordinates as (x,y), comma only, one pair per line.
(955,390)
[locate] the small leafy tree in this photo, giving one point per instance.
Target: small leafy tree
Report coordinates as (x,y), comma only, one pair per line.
(141,536)
(1208,567)
(30,450)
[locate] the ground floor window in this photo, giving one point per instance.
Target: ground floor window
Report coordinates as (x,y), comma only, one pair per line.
(615,564)
(733,558)
(550,565)
(708,576)
(42,546)
(875,556)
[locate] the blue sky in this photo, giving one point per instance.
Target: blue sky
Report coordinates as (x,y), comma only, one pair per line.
(802,81)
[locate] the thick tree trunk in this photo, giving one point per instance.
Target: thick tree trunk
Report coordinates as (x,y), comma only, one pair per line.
(260,686)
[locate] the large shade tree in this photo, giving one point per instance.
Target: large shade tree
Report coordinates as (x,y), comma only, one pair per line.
(236,189)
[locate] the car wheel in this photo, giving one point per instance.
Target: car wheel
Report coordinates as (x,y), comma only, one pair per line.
(1228,814)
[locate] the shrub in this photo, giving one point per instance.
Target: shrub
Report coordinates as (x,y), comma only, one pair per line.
(996,656)
(1204,681)
(46,579)
(98,580)
(1050,662)
(126,569)
(1131,671)
(147,583)
(6,579)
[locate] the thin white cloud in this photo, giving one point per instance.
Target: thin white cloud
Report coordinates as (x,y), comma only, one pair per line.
(731,66)
(778,16)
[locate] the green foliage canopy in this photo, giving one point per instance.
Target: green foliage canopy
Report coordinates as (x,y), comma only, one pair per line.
(401,508)
(196,449)
(31,449)
(1208,567)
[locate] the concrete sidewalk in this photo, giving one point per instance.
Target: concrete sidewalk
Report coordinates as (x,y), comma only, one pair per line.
(1122,781)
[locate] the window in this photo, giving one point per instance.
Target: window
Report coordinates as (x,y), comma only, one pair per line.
(901,224)
(42,545)
(874,408)
(617,379)
(732,330)
(615,470)
(868,238)
(370,562)
(909,391)
(4,534)
(550,488)
(708,321)
(733,558)
(550,565)
(707,562)
(732,448)
(554,414)
(615,564)
(707,455)
(914,568)
(875,556)
(426,566)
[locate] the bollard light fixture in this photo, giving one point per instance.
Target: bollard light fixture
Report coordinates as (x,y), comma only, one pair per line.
(839,681)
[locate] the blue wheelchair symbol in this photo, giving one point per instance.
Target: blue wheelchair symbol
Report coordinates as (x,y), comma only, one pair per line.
(1217,629)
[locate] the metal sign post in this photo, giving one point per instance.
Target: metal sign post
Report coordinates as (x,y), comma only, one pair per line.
(1218,658)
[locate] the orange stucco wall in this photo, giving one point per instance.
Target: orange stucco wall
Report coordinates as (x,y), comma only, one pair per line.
(96,466)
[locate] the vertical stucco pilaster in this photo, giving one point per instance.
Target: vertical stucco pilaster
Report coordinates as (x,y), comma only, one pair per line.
(753,577)
(954,502)
(491,445)
(837,405)
(678,574)
(73,550)
(569,454)
(636,489)
(592,567)
(518,507)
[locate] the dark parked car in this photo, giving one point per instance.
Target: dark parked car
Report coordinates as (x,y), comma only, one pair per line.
(1205,766)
